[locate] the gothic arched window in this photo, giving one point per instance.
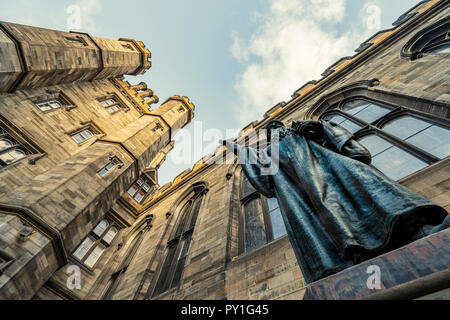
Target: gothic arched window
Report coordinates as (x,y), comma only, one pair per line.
(400,141)
(10,149)
(261,221)
(434,39)
(179,243)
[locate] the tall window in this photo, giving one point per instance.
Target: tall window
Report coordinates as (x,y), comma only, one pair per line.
(10,149)
(140,189)
(178,245)
(400,141)
(95,244)
(261,220)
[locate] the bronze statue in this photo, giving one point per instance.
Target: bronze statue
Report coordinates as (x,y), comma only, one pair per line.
(338,210)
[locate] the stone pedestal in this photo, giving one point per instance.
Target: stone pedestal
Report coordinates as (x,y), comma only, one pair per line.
(418,270)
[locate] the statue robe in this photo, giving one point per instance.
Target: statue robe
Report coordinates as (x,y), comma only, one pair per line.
(338,210)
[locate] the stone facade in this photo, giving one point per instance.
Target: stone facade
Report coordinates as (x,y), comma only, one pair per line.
(56,188)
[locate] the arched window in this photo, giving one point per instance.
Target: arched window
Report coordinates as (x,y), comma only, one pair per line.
(432,40)
(10,149)
(261,220)
(179,243)
(400,141)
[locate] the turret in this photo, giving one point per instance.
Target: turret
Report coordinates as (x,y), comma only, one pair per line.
(35,57)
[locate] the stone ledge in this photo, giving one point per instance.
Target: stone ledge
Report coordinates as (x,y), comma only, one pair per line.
(415,270)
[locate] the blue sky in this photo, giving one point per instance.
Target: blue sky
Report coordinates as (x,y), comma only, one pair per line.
(234,59)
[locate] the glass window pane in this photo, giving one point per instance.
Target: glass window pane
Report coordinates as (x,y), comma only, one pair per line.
(397,163)
(434,140)
(272,203)
(146,187)
(4,144)
(140,182)
(103,172)
(83,248)
(44,106)
(11,156)
(101,227)
(94,256)
(255,232)
(278,227)
(110,235)
(405,127)
(368,112)
(55,104)
(335,118)
(78,138)
(355,106)
(138,197)
(392,161)
(375,144)
(442,49)
(86,134)
(345,123)
(109,166)
(424,135)
(17,154)
(132,191)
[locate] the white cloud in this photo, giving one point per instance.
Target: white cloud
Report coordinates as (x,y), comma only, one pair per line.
(291,46)
(89,9)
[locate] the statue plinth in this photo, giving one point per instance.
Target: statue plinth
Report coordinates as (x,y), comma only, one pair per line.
(413,271)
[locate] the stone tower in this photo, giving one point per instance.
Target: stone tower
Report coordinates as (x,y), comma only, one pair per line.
(74,136)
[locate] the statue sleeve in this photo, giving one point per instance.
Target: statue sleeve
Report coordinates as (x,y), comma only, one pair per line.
(343,142)
(247,157)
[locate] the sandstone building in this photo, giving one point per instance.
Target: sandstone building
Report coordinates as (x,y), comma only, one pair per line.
(80,148)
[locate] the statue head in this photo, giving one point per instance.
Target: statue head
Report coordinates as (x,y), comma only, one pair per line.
(272,126)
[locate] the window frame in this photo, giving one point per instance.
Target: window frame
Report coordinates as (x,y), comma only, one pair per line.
(98,240)
(80,134)
(246,198)
(140,188)
(117,103)
(116,163)
(53,96)
(16,144)
(87,126)
(376,127)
